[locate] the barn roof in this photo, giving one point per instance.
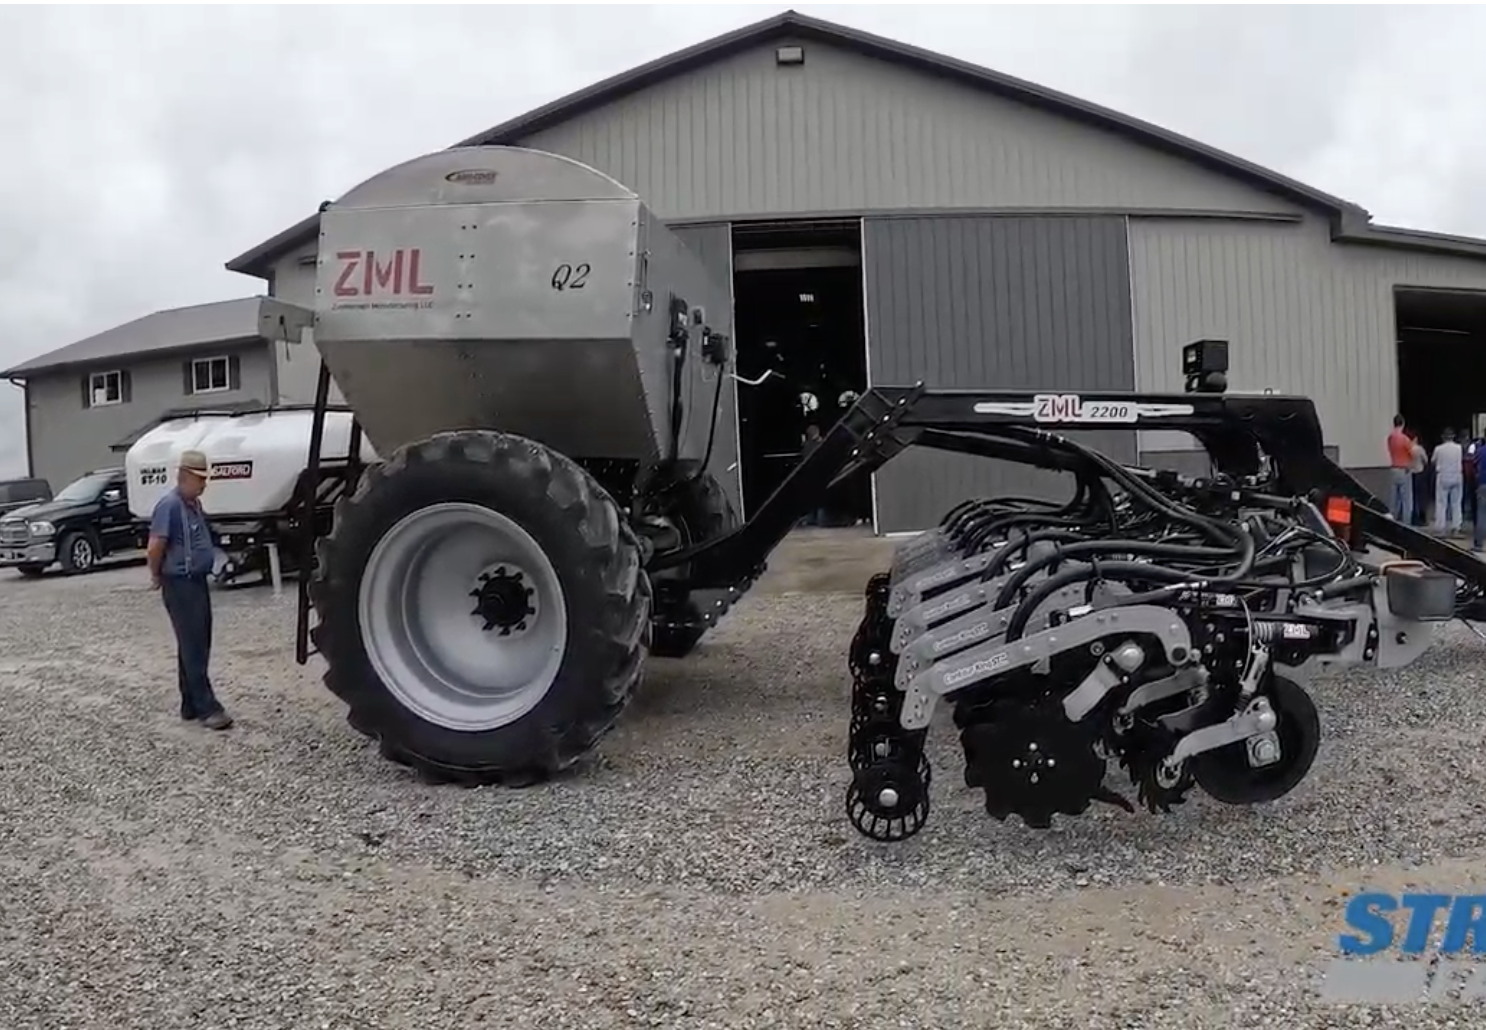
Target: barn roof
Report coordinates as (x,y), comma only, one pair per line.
(1349,221)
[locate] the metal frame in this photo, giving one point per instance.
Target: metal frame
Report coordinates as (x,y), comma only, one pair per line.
(1241,433)
(320,486)
(867,355)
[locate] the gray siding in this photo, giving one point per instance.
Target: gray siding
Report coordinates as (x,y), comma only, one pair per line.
(1302,314)
(297,372)
(298,367)
(294,277)
(1011,303)
(847,133)
(713,246)
(69,440)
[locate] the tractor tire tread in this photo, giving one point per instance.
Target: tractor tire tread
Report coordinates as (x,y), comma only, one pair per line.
(711,515)
(618,636)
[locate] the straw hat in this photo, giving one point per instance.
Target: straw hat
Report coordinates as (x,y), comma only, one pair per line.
(195,463)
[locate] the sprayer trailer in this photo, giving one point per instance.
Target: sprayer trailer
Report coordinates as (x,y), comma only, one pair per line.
(548,374)
(258,462)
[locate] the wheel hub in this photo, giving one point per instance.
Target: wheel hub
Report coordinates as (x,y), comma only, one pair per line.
(504,601)
(1034,764)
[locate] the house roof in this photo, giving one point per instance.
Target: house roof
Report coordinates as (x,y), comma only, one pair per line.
(175,329)
(1349,220)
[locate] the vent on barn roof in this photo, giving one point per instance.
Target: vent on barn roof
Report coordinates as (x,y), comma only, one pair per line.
(789,55)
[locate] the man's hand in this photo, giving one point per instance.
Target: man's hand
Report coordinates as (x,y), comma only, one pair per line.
(154,555)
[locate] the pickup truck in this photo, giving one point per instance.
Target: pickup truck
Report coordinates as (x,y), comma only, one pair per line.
(87,520)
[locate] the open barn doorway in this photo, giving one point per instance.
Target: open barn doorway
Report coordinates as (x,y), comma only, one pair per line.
(801,349)
(1441,372)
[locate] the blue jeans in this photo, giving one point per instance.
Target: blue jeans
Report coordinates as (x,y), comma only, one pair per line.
(1479,536)
(188,602)
(1401,502)
(1447,502)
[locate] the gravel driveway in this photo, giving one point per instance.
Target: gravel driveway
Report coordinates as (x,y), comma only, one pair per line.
(700,874)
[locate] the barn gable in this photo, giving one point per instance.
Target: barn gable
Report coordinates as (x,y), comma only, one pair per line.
(725,130)
(847,132)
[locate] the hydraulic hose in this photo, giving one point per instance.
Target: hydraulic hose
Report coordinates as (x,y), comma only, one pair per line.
(712,431)
(1018,546)
(977,538)
(1138,487)
(1141,547)
(1118,570)
(1017,624)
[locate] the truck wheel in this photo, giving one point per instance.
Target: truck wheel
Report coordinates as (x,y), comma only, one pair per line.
(76,553)
(482,608)
(702,511)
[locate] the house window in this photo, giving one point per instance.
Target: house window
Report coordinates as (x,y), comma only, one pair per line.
(210,375)
(102,389)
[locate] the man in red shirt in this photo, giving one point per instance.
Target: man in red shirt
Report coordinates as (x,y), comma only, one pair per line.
(1400,460)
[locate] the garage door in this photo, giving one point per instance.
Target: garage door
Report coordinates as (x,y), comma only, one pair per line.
(993,302)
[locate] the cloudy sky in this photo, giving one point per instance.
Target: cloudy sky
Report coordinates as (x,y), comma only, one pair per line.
(145,146)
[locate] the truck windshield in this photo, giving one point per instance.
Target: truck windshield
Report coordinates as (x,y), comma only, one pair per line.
(84,490)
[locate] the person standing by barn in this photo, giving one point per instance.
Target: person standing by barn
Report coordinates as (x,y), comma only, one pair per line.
(1478,534)
(181,556)
(819,516)
(1449,480)
(1420,469)
(1400,458)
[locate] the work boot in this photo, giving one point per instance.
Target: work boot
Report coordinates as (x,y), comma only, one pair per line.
(217,721)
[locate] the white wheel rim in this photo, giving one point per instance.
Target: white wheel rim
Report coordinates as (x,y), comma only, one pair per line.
(417,606)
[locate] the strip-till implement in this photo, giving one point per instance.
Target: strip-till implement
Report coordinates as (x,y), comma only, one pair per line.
(549,373)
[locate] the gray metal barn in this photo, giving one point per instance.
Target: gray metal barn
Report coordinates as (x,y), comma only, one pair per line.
(997,235)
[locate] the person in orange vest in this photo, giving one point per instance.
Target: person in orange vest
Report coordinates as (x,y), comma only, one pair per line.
(1401,483)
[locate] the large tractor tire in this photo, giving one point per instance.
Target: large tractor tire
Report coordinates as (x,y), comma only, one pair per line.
(701,511)
(482,609)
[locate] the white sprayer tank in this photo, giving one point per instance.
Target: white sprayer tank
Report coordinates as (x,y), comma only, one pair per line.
(255,459)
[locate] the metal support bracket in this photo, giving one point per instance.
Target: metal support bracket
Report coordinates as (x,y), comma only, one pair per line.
(1257,718)
(978,664)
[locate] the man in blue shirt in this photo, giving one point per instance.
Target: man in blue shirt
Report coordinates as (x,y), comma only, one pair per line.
(180,558)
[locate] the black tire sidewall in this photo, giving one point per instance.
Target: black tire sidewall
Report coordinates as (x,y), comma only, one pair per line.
(589,656)
(703,510)
(1223,774)
(64,551)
